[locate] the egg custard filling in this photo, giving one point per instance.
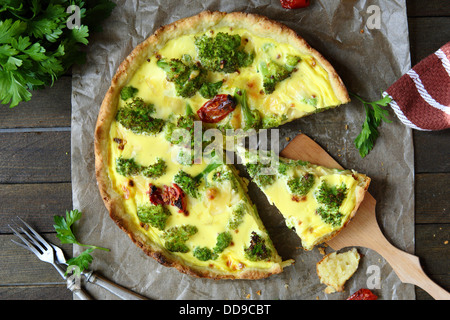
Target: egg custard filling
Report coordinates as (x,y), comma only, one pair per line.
(177,199)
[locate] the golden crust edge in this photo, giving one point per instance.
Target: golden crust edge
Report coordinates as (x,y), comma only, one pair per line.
(130,64)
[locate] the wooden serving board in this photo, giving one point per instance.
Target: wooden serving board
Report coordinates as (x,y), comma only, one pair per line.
(363,230)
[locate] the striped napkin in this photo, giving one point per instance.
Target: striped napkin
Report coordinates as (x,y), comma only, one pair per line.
(421,97)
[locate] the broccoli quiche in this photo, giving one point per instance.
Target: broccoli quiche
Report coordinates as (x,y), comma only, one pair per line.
(316,202)
(173,196)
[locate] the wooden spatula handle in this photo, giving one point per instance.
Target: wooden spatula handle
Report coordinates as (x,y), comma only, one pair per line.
(408,269)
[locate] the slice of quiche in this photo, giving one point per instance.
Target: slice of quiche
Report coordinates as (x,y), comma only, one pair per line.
(316,202)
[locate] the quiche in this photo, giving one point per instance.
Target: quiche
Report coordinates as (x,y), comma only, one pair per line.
(316,202)
(162,179)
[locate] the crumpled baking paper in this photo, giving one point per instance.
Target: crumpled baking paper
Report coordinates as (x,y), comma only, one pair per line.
(367,42)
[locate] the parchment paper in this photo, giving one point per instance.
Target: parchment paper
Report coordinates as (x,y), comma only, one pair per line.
(368,60)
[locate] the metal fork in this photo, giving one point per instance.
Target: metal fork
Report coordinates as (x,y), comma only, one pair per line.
(32,241)
(95,278)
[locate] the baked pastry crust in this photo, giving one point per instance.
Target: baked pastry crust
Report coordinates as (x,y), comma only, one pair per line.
(259,25)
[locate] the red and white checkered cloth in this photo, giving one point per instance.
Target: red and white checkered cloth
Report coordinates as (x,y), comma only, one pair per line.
(421,97)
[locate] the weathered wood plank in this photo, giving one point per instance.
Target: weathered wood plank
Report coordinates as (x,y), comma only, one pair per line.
(34,203)
(50,107)
(429,8)
(433,249)
(18,266)
(36,292)
(432,151)
(432,198)
(426,35)
(32,157)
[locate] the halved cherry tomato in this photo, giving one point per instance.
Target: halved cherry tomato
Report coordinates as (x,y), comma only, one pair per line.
(217,108)
(363,294)
(173,196)
(294,4)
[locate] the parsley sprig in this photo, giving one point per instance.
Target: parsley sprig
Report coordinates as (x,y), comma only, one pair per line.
(37,46)
(365,141)
(63,228)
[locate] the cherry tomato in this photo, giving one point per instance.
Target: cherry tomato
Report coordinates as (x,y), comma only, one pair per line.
(173,196)
(217,108)
(294,4)
(363,294)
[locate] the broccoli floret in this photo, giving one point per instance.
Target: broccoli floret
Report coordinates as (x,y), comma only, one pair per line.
(274,73)
(188,183)
(291,62)
(284,165)
(300,186)
(252,118)
(237,216)
(156,216)
(331,196)
(177,236)
(128,92)
(129,167)
(330,215)
(222,52)
(136,116)
(187,77)
(155,170)
(210,89)
(223,241)
(273,121)
(204,254)
(258,250)
(262,180)
(224,174)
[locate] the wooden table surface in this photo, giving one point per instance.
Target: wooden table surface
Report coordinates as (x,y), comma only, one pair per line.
(35,175)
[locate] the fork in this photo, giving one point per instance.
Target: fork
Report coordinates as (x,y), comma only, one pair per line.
(94,278)
(32,241)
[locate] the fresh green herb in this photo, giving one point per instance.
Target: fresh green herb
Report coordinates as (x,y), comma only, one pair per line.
(129,167)
(257,250)
(252,118)
(209,90)
(177,236)
(274,73)
(222,53)
(300,186)
(63,228)
(154,215)
(187,77)
(128,92)
(365,141)
(37,46)
(136,116)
